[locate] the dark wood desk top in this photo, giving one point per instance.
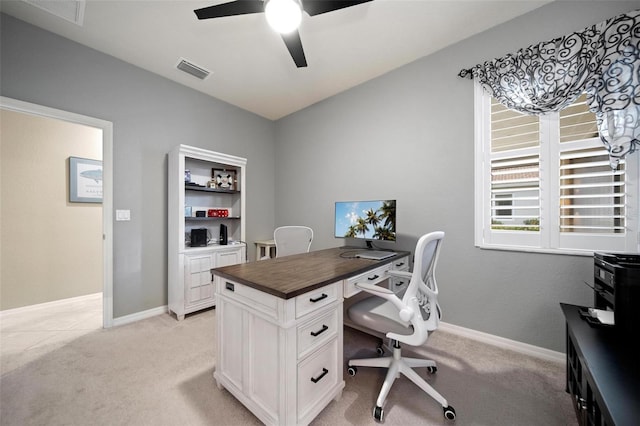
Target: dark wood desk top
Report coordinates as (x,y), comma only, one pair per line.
(291,276)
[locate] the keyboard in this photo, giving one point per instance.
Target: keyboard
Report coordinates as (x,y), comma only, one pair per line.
(375,254)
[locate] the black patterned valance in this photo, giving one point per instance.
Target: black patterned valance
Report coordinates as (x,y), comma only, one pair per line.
(603,60)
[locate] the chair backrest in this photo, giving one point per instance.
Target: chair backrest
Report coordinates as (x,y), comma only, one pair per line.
(292,240)
(421,295)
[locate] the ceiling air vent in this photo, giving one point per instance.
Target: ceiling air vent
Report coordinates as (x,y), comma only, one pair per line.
(70,10)
(193,69)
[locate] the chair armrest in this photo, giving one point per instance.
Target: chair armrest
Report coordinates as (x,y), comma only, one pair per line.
(405,312)
(400,274)
(374,289)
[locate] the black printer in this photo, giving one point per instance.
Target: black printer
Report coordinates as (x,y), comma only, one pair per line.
(617,288)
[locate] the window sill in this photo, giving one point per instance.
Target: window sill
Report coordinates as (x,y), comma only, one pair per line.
(566,252)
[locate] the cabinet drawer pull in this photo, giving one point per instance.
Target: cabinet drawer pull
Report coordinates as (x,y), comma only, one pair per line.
(375,277)
(230,286)
(322,330)
(399,264)
(581,403)
(399,283)
(317,299)
(317,379)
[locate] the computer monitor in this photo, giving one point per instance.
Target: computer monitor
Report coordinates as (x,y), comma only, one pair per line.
(368,220)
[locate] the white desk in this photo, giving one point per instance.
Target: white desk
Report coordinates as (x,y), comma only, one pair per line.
(265,249)
(280,330)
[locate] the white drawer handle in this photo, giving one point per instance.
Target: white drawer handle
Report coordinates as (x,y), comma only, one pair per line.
(322,330)
(317,379)
(317,299)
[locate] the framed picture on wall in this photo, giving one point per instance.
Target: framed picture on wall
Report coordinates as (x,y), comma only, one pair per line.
(85,180)
(224,179)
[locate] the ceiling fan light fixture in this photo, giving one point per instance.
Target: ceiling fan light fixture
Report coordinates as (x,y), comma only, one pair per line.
(283,16)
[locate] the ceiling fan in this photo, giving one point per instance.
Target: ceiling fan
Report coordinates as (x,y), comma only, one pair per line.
(282,15)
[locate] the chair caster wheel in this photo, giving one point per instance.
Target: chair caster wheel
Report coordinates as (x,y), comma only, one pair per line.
(380,350)
(378,413)
(352,371)
(432,370)
(449,413)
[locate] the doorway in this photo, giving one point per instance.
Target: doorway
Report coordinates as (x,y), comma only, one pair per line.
(67,213)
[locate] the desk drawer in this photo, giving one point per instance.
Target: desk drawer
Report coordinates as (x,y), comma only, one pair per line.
(314,333)
(401,264)
(371,277)
(256,299)
(317,375)
(316,299)
(399,285)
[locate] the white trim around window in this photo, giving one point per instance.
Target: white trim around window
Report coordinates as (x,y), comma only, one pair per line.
(568,222)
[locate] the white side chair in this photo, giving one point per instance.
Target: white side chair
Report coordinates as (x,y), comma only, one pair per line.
(292,240)
(408,319)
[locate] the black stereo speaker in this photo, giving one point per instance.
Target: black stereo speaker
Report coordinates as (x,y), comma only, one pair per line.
(224,240)
(199,237)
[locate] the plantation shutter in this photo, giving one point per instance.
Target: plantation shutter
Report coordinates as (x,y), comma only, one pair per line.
(515,170)
(592,196)
(545,183)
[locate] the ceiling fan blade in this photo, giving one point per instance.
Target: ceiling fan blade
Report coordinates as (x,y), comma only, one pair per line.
(239,7)
(316,7)
(294,45)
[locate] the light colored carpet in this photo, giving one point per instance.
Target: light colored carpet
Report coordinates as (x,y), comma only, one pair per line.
(158,371)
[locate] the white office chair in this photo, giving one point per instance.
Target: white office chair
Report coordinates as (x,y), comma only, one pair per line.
(408,320)
(292,240)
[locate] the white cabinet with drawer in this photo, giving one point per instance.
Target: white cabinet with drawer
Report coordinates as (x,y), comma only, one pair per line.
(282,358)
(194,205)
(231,255)
(198,280)
(194,289)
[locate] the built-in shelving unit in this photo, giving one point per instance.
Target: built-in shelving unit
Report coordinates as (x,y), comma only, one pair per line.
(194,205)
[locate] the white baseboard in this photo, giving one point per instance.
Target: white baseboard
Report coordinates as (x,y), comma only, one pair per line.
(501,342)
(127,319)
(52,304)
(490,339)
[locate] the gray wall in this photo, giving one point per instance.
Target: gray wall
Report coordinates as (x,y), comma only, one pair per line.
(408,135)
(150,115)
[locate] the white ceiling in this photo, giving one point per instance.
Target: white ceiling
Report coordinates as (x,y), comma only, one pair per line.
(251,67)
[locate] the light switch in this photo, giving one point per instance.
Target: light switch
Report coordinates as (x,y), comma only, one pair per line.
(123,215)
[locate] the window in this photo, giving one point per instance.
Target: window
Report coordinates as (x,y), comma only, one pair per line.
(544,183)
(502,201)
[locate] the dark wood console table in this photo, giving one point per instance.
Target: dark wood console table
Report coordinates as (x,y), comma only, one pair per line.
(603,372)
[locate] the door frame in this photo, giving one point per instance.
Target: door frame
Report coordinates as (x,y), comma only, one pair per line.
(107,186)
